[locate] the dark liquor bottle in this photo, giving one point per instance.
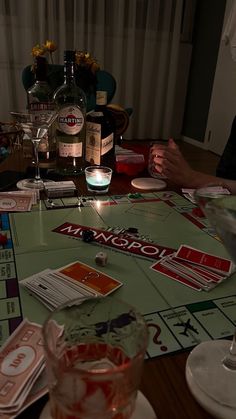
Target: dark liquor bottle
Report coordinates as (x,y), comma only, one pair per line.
(70,101)
(39,100)
(100,144)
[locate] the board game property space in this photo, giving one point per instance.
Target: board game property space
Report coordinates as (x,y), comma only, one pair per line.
(178,317)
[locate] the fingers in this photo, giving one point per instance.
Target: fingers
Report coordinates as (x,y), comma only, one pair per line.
(168,160)
(172,144)
(166,166)
(164,149)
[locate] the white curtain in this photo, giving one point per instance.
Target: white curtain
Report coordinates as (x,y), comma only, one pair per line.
(138,41)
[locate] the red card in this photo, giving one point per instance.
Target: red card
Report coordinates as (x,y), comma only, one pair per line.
(177,277)
(90,278)
(207,260)
(206,273)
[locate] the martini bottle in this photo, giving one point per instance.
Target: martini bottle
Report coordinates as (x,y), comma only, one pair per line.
(70,101)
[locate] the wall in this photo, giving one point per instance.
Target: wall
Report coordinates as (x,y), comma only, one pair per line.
(206,39)
(223,99)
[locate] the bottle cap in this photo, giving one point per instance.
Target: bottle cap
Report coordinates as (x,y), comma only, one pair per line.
(69,55)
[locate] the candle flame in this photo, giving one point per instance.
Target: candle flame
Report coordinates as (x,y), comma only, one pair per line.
(98,177)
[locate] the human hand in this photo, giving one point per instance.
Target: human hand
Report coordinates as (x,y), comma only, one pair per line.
(170,162)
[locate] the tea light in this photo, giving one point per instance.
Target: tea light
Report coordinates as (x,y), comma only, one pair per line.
(98,178)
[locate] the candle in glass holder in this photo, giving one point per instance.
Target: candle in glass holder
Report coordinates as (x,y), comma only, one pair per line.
(98,178)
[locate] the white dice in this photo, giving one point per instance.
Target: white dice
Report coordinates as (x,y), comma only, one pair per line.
(101,258)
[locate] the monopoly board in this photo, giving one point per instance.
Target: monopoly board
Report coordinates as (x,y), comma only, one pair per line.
(178,317)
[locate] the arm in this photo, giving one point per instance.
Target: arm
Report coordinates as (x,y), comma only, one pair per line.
(170,162)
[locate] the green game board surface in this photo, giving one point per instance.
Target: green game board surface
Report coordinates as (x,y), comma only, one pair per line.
(178,317)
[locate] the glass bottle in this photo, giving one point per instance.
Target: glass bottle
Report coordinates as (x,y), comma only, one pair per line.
(70,101)
(100,127)
(40,99)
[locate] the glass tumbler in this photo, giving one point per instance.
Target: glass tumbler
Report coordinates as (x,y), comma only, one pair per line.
(151,164)
(94,351)
(209,192)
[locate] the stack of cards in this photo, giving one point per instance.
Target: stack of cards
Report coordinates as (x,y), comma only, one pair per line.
(194,268)
(76,280)
(59,189)
(22,370)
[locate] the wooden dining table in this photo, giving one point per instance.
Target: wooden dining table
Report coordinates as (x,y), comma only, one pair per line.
(163,380)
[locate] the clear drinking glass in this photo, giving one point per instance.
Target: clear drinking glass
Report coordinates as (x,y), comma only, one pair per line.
(35,127)
(98,178)
(211,366)
(94,352)
(207,193)
(151,164)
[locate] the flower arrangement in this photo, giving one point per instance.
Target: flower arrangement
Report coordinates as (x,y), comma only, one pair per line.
(48,47)
(84,59)
(87,65)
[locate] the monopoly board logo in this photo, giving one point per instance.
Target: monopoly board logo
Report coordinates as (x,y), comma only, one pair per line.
(124,244)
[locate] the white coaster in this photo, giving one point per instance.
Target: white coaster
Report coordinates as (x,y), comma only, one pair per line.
(215,408)
(143,409)
(25,185)
(148,183)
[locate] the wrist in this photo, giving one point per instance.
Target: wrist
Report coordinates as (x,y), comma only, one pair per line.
(193,179)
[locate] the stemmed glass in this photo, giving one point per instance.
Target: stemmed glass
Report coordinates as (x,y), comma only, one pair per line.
(211,366)
(35,126)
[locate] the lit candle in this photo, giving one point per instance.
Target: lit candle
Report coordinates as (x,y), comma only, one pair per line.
(98,178)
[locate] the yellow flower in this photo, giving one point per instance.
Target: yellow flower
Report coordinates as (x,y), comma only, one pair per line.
(50,46)
(84,59)
(38,50)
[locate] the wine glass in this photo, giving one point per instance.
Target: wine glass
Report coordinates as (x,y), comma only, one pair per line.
(35,126)
(211,366)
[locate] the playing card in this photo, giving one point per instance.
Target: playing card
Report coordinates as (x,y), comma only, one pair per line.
(203,272)
(159,267)
(67,287)
(215,263)
(205,284)
(39,285)
(76,280)
(89,278)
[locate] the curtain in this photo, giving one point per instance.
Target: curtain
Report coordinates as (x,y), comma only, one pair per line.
(138,41)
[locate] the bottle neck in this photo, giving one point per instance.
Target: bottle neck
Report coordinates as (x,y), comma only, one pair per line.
(40,69)
(69,72)
(101,98)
